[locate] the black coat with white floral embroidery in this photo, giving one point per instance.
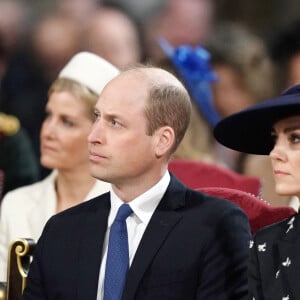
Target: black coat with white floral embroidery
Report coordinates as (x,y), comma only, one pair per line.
(274,269)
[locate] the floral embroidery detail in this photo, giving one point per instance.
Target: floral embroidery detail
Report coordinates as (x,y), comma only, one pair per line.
(277,274)
(291,224)
(287,262)
(262,247)
(251,243)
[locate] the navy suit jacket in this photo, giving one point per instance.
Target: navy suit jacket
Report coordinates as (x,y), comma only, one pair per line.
(194,247)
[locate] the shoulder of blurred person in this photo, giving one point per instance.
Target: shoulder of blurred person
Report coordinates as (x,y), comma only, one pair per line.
(17,159)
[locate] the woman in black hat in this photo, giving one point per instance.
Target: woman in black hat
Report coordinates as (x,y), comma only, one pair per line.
(272,128)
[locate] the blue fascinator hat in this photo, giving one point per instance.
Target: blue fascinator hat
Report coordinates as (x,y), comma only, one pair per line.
(193,66)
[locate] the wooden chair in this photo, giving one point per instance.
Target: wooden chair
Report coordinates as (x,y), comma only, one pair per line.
(19,259)
(2,290)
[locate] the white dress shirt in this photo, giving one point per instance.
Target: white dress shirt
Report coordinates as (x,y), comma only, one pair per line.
(143,208)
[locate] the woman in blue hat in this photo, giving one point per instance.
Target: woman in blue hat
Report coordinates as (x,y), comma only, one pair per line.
(272,128)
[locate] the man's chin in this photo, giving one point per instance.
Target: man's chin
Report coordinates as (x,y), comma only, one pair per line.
(98,175)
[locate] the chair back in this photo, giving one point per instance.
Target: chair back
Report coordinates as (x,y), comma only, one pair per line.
(198,174)
(19,259)
(259,212)
(2,290)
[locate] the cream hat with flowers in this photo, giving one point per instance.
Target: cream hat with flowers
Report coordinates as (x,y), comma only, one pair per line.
(90,70)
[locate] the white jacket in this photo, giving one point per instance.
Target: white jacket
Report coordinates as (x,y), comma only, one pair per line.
(25,211)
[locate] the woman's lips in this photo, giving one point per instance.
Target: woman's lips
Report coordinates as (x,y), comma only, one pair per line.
(280,173)
(48,148)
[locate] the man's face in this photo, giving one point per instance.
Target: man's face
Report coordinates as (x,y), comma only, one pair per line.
(120,150)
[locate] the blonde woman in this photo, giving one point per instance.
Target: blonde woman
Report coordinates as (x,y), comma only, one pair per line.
(63,136)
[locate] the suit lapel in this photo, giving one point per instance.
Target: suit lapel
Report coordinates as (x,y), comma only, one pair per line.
(90,249)
(289,248)
(162,222)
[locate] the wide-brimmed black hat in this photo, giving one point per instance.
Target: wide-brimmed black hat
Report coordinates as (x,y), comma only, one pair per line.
(250,130)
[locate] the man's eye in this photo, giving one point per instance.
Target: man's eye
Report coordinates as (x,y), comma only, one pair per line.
(96,116)
(115,123)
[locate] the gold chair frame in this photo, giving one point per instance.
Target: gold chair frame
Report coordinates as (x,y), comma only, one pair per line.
(19,259)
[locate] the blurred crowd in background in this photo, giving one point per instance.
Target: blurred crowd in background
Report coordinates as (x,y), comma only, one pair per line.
(254,50)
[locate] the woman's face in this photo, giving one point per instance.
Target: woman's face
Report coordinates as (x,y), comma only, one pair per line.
(64,132)
(229,94)
(285,156)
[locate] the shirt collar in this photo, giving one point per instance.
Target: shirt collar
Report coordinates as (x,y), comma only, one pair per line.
(144,205)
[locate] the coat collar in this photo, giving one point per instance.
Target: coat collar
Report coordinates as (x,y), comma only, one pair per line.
(91,240)
(92,237)
(162,222)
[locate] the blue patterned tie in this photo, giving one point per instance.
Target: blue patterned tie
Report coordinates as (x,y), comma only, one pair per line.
(117,263)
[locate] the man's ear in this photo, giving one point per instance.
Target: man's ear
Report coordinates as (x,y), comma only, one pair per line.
(165,140)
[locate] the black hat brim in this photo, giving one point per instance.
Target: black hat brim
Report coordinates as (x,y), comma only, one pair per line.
(250,130)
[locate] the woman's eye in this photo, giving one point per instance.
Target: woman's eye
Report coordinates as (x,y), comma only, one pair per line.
(295,138)
(68,123)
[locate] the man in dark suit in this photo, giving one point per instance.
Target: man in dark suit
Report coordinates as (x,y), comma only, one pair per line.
(182,244)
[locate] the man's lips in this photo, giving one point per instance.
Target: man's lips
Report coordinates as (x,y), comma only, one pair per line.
(96,156)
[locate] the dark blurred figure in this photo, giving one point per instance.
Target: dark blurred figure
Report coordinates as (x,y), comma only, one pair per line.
(12,24)
(246,76)
(139,10)
(241,60)
(285,52)
(17,160)
(179,22)
(12,30)
(54,40)
(79,10)
(18,163)
(113,35)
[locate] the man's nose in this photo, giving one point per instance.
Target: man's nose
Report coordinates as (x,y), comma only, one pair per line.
(97,133)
